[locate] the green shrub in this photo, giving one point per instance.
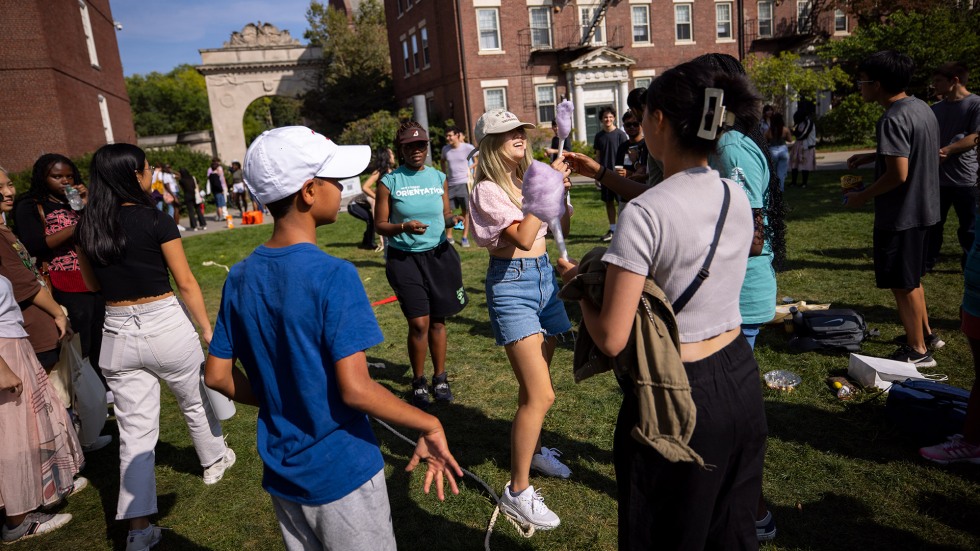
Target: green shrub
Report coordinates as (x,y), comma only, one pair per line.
(850,122)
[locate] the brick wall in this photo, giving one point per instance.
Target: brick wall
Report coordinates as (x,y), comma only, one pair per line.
(50,96)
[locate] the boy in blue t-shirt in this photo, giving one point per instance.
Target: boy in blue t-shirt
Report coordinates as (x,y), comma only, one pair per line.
(299,321)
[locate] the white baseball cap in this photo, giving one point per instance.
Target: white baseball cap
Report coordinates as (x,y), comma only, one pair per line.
(281,160)
(498,121)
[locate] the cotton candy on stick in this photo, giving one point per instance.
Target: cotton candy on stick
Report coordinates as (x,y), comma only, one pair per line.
(544,197)
(563,117)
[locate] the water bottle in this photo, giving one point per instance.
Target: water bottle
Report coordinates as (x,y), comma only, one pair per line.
(74,198)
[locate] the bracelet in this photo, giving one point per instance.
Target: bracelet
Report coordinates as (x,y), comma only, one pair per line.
(403,227)
(601,174)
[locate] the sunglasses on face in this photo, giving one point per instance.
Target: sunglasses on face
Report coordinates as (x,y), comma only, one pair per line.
(631,125)
(416,145)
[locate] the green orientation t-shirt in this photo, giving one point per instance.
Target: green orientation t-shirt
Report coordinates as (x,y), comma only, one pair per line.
(416,195)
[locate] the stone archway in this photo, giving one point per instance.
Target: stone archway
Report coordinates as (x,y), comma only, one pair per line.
(259,61)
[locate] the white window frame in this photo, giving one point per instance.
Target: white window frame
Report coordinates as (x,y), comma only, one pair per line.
(642,82)
(803,8)
(546,104)
(416,58)
(690,23)
(424,34)
(586,13)
(530,17)
(720,34)
(645,25)
(406,66)
(768,4)
(93,55)
(106,123)
(503,97)
(495,30)
(840,16)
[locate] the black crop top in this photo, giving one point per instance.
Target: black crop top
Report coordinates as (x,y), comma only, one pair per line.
(142,272)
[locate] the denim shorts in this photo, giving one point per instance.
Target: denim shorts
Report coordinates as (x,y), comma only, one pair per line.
(523,299)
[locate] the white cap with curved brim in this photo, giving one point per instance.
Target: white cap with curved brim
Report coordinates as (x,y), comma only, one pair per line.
(498,121)
(281,160)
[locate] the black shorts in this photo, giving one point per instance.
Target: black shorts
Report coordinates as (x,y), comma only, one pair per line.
(429,283)
(901,257)
(608,195)
(664,505)
(459,197)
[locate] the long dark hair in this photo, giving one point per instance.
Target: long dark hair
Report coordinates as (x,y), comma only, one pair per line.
(776,126)
(382,160)
(114,172)
(39,189)
(772,199)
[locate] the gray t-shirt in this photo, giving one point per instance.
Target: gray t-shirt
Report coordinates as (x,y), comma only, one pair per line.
(956,120)
(457,163)
(909,129)
(666,233)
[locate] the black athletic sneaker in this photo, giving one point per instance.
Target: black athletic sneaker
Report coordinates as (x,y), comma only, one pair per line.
(908,354)
(440,388)
(608,237)
(420,393)
(933,342)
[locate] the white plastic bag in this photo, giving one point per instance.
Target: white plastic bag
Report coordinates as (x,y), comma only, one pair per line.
(223,407)
(87,392)
(882,372)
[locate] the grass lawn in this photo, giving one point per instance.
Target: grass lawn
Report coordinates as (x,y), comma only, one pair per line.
(837,475)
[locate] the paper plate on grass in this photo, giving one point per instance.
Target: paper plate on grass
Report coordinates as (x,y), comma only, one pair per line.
(779,379)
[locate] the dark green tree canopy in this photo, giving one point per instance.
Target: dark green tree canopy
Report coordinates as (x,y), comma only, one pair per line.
(169,103)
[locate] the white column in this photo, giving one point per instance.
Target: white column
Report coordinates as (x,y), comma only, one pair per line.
(623,93)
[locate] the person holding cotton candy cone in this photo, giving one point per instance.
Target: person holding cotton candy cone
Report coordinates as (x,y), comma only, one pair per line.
(508,207)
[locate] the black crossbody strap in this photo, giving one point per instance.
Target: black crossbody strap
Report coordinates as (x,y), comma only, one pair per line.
(703,273)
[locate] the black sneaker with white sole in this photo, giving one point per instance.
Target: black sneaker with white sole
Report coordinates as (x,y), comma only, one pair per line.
(908,354)
(420,393)
(440,388)
(933,342)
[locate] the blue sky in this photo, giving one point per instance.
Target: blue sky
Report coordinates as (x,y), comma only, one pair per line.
(158,35)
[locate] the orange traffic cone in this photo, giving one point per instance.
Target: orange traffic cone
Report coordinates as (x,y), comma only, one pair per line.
(231,224)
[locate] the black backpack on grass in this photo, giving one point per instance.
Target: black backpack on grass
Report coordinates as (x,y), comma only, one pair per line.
(838,330)
(926,412)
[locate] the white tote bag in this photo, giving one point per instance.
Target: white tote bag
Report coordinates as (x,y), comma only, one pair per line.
(882,372)
(87,391)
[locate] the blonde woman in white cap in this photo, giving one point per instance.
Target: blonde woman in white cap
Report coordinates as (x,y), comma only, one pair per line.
(299,321)
(130,250)
(525,313)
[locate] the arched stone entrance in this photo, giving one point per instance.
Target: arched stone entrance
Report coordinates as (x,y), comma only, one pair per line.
(259,61)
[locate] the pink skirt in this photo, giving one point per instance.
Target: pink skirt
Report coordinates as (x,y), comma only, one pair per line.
(40,454)
(802,158)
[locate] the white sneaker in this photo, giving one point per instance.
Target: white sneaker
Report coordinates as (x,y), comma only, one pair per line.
(99,443)
(528,508)
(143,540)
(35,524)
(215,472)
(547,463)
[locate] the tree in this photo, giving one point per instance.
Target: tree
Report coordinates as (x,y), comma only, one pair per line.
(355,80)
(930,38)
(270,112)
(875,11)
(783,78)
(169,103)
(377,129)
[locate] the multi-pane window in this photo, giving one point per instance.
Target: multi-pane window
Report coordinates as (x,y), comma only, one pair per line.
(540,27)
(765,18)
(495,98)
(425,46)
(416,61)
(545,96)
(488,25)
(408,69)
(803,16)
(106,123)
(682,23)
(723,20)
(89,38)
(840,21)
(641,24)
(587,15)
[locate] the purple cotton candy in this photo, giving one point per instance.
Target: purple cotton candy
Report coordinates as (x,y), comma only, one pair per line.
(563,117)
(544,191)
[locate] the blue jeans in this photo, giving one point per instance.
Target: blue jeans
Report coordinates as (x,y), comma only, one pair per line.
(780,159)
(751,331)
(522,299)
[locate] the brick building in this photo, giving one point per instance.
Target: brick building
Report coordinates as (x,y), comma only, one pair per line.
(63,89)
(469,56)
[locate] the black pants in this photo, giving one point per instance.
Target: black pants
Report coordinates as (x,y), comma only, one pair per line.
(963,199)
(87,314)
(664,505)
(362,212)
(195,214)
